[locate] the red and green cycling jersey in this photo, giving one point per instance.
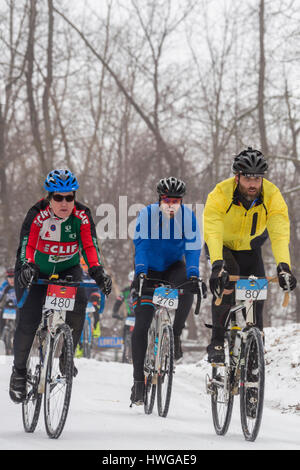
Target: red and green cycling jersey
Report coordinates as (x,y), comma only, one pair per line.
(54,244)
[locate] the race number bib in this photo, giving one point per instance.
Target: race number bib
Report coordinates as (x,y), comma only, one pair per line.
(247,289)
(130,321)
(166,297)
(60,297)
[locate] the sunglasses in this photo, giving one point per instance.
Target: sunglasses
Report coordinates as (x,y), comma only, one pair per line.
(171,200)
(60,198)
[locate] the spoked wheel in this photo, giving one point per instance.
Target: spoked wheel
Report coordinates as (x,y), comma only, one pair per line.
(87,341)
(252,385)
(32,405)
(150,375)
(165,373)
(59,378)
(221,396)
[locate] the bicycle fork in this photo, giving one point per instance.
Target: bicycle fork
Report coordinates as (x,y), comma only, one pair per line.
(58,317)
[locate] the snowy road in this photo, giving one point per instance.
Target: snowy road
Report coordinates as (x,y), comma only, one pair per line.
(100,417)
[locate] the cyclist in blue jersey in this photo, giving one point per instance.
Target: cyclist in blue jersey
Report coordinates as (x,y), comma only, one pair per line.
(167,247)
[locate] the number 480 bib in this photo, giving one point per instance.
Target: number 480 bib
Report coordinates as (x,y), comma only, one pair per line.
(60,297)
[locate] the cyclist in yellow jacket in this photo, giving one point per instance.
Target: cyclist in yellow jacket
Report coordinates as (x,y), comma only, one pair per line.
(239,215)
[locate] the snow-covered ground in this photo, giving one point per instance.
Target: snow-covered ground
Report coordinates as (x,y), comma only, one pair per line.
(100,417)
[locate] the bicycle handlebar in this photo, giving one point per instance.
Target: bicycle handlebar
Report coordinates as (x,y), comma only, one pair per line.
(235,278)
(58,282)
(180,288)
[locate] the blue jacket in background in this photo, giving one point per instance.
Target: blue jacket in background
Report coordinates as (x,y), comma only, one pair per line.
(8,292)
(160,241)
(91,290)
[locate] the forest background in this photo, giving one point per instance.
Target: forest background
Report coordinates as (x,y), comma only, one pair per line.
(125,92)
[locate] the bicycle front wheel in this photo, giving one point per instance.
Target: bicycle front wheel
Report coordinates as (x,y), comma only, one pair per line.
(166,370)
(150,374)
(32,405)
(252,385)
(221,396)
(59,379)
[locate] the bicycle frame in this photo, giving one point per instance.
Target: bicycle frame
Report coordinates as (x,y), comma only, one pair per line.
(160,320)
(51,320)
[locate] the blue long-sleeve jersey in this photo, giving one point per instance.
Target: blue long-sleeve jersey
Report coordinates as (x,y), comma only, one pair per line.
(160,241)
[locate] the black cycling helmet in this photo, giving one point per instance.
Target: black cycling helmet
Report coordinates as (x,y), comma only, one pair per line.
(171,187)
(250,162)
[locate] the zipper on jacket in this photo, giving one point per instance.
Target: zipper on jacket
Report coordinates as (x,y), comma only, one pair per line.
(254,223)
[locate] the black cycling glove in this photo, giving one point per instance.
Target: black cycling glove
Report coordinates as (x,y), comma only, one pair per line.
(197,286)
(283,271)
(219,278)
(102,279)
(29,273)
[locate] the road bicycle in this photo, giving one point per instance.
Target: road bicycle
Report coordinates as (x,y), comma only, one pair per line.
(243,372)
(159,364)
(50,366)
(8,331)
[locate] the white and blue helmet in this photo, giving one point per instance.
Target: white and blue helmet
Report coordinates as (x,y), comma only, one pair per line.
(61,181)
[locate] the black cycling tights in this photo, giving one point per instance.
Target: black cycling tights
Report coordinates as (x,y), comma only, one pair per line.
(241,263)
(29,316)
(176,274)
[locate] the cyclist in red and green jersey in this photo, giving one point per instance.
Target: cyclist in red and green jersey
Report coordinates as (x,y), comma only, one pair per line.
(53,233)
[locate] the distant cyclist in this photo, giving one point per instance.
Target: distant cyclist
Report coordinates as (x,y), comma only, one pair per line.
(239,215)
(167,247)
(53,231)
(94,296)
(7,294)
(125,297)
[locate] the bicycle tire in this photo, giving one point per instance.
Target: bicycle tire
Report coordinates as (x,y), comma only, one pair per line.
(253,372)
(55,407)
(166,370)
(150,375)
(31,407)
(222,402)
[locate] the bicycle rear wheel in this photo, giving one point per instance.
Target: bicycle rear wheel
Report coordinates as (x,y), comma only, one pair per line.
(165,373)
(59,379)
(32,405)
(252,385)
(150,374)
(221,396)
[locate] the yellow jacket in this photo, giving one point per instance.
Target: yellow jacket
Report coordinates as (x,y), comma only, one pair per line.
(228,223)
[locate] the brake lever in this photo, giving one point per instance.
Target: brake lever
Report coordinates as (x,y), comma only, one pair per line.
(287,291)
